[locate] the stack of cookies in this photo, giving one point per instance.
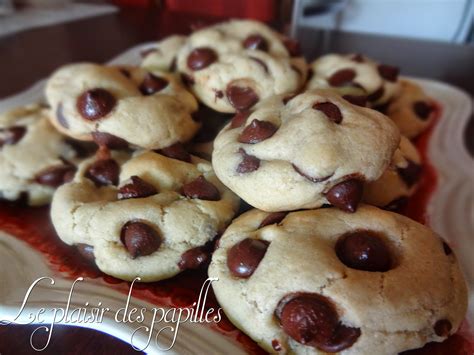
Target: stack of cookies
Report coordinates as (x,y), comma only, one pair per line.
(233,113)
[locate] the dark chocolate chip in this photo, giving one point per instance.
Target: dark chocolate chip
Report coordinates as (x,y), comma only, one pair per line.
(55,176)
(443,327)
(330,110)
(359,100)
(147,51)
(397,205)
(261,63)
(248,164)
(276,345)
(245,256)
(364,250)
(201,58)
(109,140)
(194,258)
(273,218)
(187,80)
(176,151)
(240,97)
(11,135)
(140,239)
(256,42)
(95,104)
(86,251)
(60,116)
(447,249)
(152,84)
(346,195)
(137,188)
(422,109)
(342,338)
(219,94)
(388,72)
(202,189)
(411,173)
(239,119)
(377,94)
(104,172)
(359,58)
(292,46)
(342,77)
(257,131)
(311,178)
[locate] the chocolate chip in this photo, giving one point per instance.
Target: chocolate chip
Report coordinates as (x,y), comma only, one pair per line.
(443,327)
(292,46)
(240,97)
(276,345)
(364,250)
(194,258)
(11,135)
(256,42)
(86,251)
(346,195)
(397,205)
(359,100)
(144,53)
(422,109)
(257,131)
(82,149)
(311,178)
(176,151)
(388,72)
(330,110)
(152,84)
(447,249)
(109,140)
(342,77)
(95,104)
(273,218)
(239,119)
(288,98)
(411,173)
(359,58)
(55,176)
(245,256)
(201,58)
(187,80)
(137,188)
(140,239)
(104,172)
(202,189)
(219,94)
(60,116)
(248,164)
(376,95)
(261,63)
(342,338)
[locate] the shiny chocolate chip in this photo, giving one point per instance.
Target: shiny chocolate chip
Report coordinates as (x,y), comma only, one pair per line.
(11,135)
(241,97)
(108,140)
(376,95)
(342,338)
(261,63)
(86,251)
(248,164)
(358,100)
(330,110)
(364,250)
(55,176)
(140,239)
(152,84)
(443,327)
(257,131)
(342,77)
(346,195)
(273,218)
(60,116)
(292,46)
(239,119)
(245,256)
(194,258)
(411,173)
(202,189)
(176,151)
(95,104)
(201,58)
(422,109)
(388,72)
(311,178)
(104,172)
(257,42)
(137,188)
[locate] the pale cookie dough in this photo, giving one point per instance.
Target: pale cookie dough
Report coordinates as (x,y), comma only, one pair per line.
(150,216)
(233,65)
(34,158)
(121,106)
(412,110)
(319,281)
(162,56)
(355,75)
(399,181)
(303,152)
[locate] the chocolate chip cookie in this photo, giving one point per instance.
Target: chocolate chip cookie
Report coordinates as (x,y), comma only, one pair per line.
(151,215)
(358,78)
(233,65)
(304,151)
(323,281)
(121,106)
(162,56)
(34,158)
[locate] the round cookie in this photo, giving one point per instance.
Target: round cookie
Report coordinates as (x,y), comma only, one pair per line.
(412,110)
(34,158)
(118,106)
(357,77)
(398,182)
(233,65)
(149,216)
(162,56)
(324,281)
(304,151)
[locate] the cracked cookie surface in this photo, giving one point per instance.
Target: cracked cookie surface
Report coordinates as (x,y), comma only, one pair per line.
(379,282)
(149,215)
